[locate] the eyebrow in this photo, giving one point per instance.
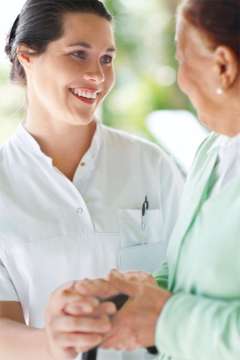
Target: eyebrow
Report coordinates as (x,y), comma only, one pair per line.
(88,46)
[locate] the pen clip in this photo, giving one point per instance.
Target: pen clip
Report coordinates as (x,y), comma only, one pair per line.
(146,203)
(145,207)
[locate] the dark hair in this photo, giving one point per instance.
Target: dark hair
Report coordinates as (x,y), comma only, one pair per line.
(40,22)
(219,19)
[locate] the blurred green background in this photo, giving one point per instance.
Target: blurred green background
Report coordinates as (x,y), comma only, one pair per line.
(146,69)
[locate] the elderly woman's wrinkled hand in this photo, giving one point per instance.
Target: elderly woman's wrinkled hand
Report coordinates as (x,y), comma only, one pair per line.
(134,325)
(137,276)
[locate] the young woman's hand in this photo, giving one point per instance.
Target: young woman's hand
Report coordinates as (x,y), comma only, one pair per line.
(75,323)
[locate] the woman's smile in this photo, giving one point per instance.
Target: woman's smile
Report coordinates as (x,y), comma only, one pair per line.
(87,96)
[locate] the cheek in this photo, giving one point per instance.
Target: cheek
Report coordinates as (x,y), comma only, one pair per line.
(190,81)
(182,78)
(109,79)
(185,79)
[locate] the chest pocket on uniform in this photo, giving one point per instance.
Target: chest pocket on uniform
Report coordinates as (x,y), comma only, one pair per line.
(143,246)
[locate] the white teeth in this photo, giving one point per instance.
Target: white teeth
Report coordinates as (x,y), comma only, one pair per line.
(85,93)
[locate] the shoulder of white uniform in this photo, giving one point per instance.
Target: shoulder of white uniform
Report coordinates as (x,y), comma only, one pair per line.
(151,152)
(124,138)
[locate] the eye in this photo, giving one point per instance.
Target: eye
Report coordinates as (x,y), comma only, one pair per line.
(106,59)
(80,54)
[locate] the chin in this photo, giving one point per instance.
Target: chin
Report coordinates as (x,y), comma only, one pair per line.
(82,120)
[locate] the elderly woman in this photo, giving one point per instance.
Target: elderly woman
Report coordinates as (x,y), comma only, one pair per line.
(194,312)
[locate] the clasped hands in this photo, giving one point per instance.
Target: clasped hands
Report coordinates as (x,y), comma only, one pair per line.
(79,318)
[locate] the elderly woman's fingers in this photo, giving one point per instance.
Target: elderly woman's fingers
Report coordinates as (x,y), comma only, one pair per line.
(120,340)
(100,288)
(140,276)
(118,344)
(122,285)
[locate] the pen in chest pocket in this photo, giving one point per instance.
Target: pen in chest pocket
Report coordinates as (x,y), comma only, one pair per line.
(145,207)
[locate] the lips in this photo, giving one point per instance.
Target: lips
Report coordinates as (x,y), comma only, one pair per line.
(87,96)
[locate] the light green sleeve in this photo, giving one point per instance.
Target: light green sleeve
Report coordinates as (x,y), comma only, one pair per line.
(161,276)
(192,327)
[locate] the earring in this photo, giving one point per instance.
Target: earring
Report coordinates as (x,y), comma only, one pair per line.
(219,91)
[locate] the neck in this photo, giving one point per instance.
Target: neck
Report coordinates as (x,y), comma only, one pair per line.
(228,121)
(224,116)
(229,113)
(64,143)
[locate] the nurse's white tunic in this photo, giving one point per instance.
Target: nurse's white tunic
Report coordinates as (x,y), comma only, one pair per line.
(53,230)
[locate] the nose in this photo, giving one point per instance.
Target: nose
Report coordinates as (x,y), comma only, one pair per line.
(95,74)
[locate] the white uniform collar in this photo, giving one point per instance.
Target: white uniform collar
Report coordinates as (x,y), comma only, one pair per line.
(95,146)
(27,142)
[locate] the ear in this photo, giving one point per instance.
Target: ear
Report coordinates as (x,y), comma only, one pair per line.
(226,66)
(24,55)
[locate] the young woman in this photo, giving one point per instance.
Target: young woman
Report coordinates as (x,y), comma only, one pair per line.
(76,198)
(198,316)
